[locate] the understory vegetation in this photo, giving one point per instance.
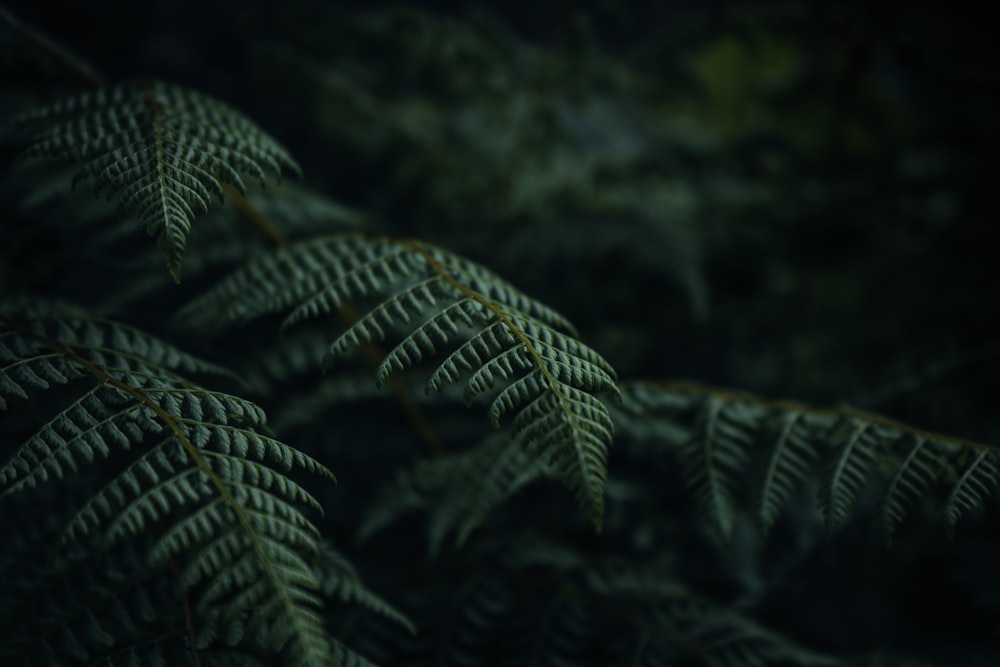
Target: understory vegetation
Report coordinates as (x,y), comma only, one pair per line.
(503,335)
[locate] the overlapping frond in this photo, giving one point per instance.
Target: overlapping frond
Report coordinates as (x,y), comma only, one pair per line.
(96,240)
(340,579)
(458,492)
(162,151)
(83,340)
(739,450)
(503,344)
(677,621)
(108,611)
(536,603)
(193,468)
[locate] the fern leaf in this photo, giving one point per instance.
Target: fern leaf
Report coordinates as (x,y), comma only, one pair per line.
(790,462)
(910,481)
(107,344)
(457,491)
(731,436)
(215,488)
(162,151)
(714,457)
(108,611)
(532,602)
(857,444)
(976,482)
(430,298)
(712,632)
(339,578)
(98,420)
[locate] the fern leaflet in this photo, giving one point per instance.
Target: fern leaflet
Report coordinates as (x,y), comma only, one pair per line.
(457,491)
(162,151)
(339,578)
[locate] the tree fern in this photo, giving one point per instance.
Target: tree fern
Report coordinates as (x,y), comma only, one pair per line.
(723,438)
(202,474)
(430,298)
(162,151)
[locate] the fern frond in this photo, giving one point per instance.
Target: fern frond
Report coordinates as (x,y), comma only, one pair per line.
(521,351)
(714,457)
(202,474)
(162,151)
(789,462)
(976,481)
(535,602)
(909,482)
(857,442)
(101,611)
(458,491)
(724,440)
(339,578)
(711,632)
(100,242)
(102,343)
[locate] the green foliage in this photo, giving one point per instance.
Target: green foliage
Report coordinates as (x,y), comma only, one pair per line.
(724,439)
(216,488)
(547,377)
(227,514)
(730,196)
(458,492)
(160,150)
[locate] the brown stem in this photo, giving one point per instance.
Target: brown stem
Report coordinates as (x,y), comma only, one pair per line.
(188,618)
(732,395)
(399,389)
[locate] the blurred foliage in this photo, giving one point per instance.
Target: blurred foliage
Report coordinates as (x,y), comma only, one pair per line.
(762,161)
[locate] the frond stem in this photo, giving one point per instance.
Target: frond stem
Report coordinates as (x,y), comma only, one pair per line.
(260,221)
(188,620)
(374,355)
(523,339)
(734,396)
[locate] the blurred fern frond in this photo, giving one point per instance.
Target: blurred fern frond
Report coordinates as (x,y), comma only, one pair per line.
(738,449)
